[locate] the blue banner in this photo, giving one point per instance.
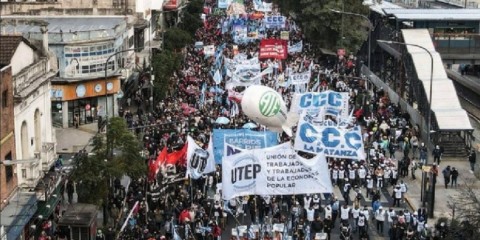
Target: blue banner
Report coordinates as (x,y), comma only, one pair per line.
(241,138)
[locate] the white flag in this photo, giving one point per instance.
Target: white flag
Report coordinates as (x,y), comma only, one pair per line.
(198,160)
(217,77)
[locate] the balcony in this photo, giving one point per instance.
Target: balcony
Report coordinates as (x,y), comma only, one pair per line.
(30,78)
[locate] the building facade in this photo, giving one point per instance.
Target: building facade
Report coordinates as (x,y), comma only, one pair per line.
(18,204)
(83,92)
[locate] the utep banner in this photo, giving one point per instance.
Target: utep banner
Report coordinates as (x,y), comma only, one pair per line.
(274,171)
(273,48)
(274,21)
(261,6)
(331,141)
(334,103)
(241,138)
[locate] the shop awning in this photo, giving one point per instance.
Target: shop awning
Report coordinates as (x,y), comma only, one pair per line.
(46,208)
(18,213)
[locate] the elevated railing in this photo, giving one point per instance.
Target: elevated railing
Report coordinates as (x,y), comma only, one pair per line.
(454,43)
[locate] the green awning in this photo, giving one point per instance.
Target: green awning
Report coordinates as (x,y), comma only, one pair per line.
(46,208)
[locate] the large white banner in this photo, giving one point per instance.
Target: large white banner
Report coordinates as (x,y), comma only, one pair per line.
(334,103)
(273,171)
(300,78)
(332,141)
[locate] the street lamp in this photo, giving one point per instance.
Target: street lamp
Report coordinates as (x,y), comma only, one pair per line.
(429,115)
(370,29)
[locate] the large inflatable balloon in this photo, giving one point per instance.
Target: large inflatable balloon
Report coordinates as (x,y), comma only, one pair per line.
(266,106)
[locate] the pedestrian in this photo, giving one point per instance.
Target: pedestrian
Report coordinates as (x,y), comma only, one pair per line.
(454,177)
(437,154)
(380,218)
(472,158)
(397,196)
(404,189)
(422,151)
(446,175)
(413,167)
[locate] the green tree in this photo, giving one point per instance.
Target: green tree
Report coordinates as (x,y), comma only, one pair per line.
(190,23)
(164,65)
(94,172)
(323,28)
(176,39)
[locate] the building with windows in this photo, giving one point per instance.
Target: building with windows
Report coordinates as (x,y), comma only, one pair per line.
(26,102)
(82,91)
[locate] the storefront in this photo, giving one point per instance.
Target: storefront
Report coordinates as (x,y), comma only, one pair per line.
(84,102)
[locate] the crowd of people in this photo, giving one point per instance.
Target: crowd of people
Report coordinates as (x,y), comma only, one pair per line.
(194,209)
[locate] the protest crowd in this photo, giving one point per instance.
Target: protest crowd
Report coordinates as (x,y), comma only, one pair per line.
(227,59)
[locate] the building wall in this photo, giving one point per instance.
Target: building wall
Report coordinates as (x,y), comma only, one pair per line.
(7,138)
(25,112)
(23,57)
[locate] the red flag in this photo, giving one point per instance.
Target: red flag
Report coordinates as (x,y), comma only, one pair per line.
(154,165)
(178,157)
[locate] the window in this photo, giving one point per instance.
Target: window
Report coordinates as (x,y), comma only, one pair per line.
(9,169)
(24,173)
(5,98)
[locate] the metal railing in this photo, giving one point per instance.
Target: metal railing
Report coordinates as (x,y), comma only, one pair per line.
(457,43)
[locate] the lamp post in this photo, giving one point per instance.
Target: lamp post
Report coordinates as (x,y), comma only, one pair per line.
(428,121)
(370,29)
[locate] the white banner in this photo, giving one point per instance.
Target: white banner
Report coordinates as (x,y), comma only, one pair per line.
(247,78)
(209,50)
(295,48)
(261,6)
(329,140)
(273,171)
(334,103)
(199,161)
(274,21)
(300,78)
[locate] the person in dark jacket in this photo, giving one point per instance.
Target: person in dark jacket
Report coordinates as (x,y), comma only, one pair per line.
(454,176)
(317,226)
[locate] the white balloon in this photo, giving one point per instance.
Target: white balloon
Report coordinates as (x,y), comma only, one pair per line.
(266,106)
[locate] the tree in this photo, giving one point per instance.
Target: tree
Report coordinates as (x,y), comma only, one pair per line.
(164,65)
(465,223)
(190,23)
(323,28)
(94,171)
(176,39)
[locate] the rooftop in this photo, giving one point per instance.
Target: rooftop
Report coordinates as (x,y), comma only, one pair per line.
(79,214)
(57,24)
(9,45)
(433,14)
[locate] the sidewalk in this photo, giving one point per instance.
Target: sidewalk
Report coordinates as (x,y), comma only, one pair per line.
(72,140)
(442,196)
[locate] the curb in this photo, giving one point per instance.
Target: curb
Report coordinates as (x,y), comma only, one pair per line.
(410,203)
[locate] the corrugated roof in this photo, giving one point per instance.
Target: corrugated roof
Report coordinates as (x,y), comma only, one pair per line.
(433,14)
(445,104)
